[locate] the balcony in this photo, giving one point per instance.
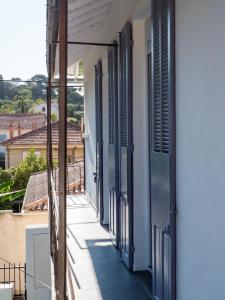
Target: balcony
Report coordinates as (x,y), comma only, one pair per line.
(95,265)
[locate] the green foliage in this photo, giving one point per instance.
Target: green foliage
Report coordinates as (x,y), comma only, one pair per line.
(75,106)
(38,88)
(30,165)
(6,195)
(17,105)
(39,101)
(14,90)
(74,97)
(2,88)
(6,106)
(16,178)
(7,175)
(54,117)
(72,120)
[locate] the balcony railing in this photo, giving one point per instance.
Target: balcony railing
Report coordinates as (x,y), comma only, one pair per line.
(14,274)
(75,185)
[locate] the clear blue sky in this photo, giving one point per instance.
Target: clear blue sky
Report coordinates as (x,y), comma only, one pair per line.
(22,38)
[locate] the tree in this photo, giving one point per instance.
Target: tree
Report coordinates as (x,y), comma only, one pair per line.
(38,88)
(2,88)
(22,105)
(30,165)
(74,97)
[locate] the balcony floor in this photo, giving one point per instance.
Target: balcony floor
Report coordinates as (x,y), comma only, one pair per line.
(95,263)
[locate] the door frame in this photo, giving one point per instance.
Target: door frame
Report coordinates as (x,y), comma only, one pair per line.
(149,95)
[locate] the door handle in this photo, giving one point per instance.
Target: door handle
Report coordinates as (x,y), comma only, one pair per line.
(95,177)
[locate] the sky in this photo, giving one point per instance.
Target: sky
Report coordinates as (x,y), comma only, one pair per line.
(22,38)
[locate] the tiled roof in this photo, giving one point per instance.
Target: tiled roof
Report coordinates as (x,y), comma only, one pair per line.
(36,196)
(26,121)
(39,136)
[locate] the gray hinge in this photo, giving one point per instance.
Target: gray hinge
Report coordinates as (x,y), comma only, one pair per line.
(131,43)
(132,249)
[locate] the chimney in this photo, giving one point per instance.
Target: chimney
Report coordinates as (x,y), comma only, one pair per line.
(34,126)
(10,130)
(19,129)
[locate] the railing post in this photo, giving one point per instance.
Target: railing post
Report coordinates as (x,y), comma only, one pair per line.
(63,18)
(49,146)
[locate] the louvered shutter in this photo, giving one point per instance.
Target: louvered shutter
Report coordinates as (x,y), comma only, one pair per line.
(126,146)
(113,161)
(163,158)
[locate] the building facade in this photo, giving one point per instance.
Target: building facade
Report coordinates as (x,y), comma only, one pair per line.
(154,102)
(12,125)
(17,148)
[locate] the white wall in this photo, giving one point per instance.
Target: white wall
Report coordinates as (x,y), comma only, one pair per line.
(200,68)
(121,12)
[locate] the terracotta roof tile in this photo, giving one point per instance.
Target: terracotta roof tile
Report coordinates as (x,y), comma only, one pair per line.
(39,136)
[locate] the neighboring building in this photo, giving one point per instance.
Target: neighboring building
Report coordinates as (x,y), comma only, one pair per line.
(17,148)
(154,146)
(42,108)
(13,247)
(15,124)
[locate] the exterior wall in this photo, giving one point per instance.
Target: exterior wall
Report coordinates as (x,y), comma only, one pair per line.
(121,12)
(12,233)
(200,93)
(4,132)
(15,154)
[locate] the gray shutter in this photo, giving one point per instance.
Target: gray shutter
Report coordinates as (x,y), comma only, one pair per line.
(99,141)
(113,154)
(126,146)
(163,151)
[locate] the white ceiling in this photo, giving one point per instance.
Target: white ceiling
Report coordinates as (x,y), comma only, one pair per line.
(84,18)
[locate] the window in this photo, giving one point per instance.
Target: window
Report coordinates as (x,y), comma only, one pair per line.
(3,137)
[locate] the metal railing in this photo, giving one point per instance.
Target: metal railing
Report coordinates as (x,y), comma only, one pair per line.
(74,185)
(14,274)
(75,178)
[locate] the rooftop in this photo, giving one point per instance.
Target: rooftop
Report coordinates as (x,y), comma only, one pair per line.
(39,136)
(36,196)
(26,121)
